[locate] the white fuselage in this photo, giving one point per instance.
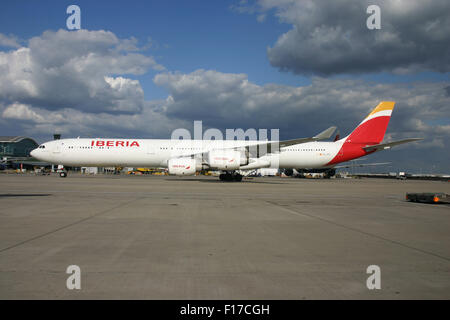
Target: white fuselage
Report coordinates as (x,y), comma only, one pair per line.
(157,152)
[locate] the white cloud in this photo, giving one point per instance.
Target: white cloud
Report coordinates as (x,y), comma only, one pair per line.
(62,69)
(22,112)
(229,100)
(78,84)
(331,37)
(9,41)
(39,122)
(225,100)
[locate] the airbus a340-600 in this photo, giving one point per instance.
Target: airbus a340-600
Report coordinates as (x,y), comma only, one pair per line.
(186,157)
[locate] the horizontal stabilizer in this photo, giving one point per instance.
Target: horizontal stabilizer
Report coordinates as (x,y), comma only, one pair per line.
(384,146)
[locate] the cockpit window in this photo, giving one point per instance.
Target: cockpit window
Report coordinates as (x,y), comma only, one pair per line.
(42,147)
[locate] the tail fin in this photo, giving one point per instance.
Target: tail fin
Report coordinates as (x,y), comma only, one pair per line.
(372,129)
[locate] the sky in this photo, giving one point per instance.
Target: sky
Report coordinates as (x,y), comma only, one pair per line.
(145,68)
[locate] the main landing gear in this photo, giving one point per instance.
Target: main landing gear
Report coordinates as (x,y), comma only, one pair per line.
(329,173)
(228,176)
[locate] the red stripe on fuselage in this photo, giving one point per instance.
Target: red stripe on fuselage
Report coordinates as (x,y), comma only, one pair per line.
(369,133)
(349,151)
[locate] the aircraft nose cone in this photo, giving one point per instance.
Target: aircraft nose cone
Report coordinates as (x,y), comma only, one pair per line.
(33,153)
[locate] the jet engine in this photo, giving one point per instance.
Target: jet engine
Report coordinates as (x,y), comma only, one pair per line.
(182,166)
(227,159)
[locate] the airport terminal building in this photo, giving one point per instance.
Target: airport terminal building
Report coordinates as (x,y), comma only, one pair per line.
(16,146)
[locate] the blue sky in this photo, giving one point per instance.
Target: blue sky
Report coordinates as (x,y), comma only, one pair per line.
(188,35)
(299,66)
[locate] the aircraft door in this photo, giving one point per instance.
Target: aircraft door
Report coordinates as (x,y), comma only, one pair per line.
(151,150)
(341,150)
(57,147)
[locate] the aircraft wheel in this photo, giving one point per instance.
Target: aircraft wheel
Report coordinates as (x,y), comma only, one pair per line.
(238,178)
(63,174)
(230,177)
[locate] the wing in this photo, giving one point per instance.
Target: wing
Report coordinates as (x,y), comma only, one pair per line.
(275,145)
(384,146)
(326,134)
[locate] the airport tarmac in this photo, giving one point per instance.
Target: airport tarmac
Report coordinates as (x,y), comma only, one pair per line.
(159,237)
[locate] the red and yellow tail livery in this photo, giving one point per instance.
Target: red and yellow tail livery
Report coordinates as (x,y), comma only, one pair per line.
(372,129)
(368,135)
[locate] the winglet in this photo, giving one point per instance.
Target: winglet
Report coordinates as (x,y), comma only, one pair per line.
(326,134)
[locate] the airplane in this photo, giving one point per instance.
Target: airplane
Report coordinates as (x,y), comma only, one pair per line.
(230,157)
